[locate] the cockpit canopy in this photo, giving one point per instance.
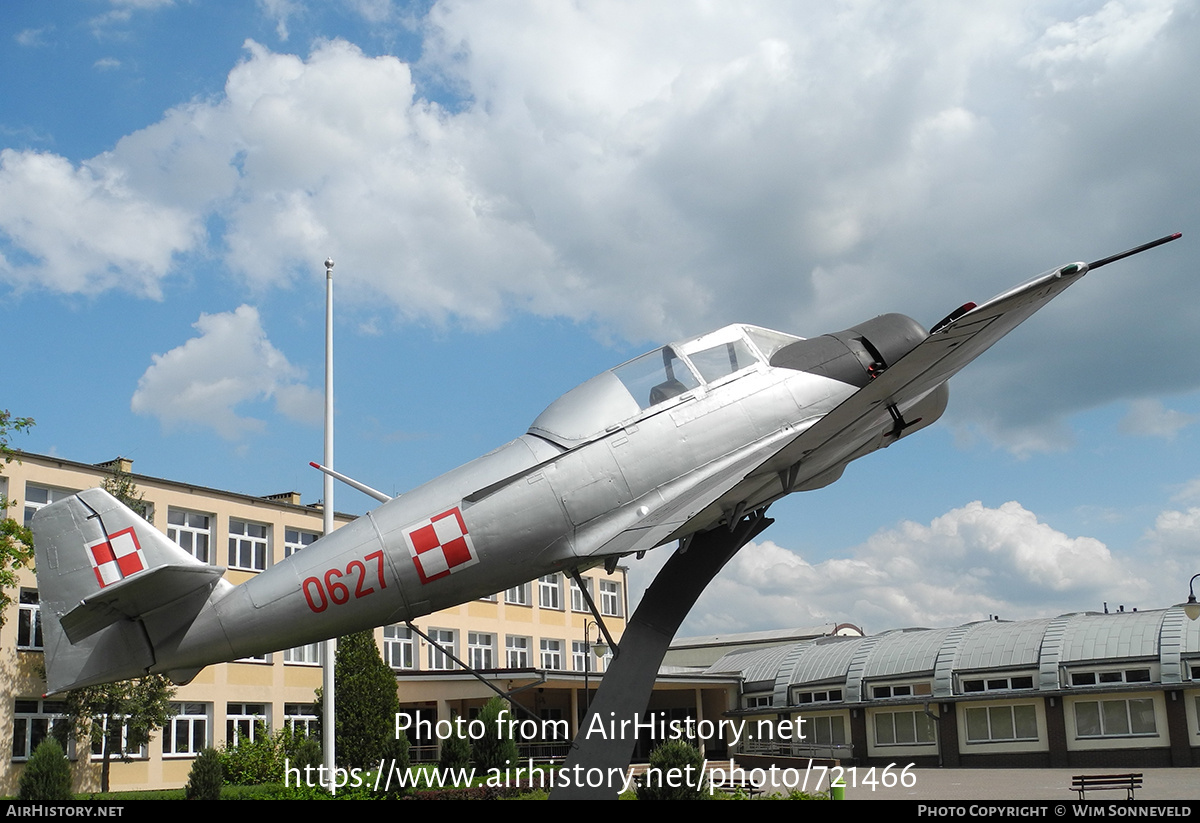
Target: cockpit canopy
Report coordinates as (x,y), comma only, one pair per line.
(649,381)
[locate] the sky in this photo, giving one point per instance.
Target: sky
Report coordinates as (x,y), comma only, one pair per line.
(517,196)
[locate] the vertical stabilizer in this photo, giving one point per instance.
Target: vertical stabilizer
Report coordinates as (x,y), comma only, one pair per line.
(112,589)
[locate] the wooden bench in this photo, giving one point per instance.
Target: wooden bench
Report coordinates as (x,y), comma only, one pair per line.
(732,785)
(1097,782)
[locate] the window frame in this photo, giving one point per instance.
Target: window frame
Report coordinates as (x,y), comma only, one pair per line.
(436,659)
(610,598)
(551,658)
(29,621)
(481,650)
(295,540)
(398,641)
(187,715)
(176,530)
(33,722)
(258,546)
(550,592)
(516,651)
(517,595)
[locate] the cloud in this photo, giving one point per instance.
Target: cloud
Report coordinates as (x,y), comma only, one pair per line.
(657,170)
(231,363)
(84,229)
(280,11)
(1149,418)
(969,563)
(32,38)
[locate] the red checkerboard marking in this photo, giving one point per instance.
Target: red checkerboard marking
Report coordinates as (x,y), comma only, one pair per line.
(117,557)
(440,545)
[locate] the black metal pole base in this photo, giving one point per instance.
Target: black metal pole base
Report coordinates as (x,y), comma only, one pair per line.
(625,690)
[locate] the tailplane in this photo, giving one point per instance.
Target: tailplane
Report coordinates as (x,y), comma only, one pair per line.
(112,590)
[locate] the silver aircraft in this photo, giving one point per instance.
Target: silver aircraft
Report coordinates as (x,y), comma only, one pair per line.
(687,438)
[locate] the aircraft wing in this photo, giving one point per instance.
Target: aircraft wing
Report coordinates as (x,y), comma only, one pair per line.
(867,418)
(875,415)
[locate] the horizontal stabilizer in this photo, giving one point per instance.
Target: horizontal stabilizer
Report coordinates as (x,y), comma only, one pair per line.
(136,596)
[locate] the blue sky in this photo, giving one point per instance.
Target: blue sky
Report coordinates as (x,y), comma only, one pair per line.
(518,196)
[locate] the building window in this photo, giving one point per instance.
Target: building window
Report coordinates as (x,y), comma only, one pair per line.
(446,639)
(580,654)
(186,733)
(245,720)
(901,690)
(610,598)
(38,497)
(578,603)
(191,532)
(29,620)
(309,655)
(33,721)
(903,728)
(480,650)
(1110,676)
(997,684)
(827,730)
(552,654)
(550,592)
(295,539)
(1115,718)
(248,545)
(301,718)
(117,740)
(759,701)
(517,595)
(398,649)
(823,696)
(517,651)
(996,724)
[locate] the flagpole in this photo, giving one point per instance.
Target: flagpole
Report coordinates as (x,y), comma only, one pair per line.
(328,724)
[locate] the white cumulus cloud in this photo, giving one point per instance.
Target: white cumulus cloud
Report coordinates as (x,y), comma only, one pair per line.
(231,363)
(969,563)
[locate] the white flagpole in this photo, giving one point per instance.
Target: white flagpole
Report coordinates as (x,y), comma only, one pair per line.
(328,724)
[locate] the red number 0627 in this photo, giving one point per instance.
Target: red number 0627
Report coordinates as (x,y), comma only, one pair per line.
(319,594)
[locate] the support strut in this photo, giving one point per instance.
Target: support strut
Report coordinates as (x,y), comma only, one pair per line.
(625,690)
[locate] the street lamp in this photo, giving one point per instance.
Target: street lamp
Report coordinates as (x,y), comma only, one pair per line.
(1191,608)
(601,649)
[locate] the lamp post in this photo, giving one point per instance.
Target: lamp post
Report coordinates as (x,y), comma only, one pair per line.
(1191,608)
(601,649)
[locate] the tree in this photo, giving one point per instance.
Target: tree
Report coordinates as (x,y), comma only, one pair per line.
(366,705)
(121,486)
(117,719)
(16,543)
(675,762)
(456,750)
(206,777)
(47,775)
(496,749)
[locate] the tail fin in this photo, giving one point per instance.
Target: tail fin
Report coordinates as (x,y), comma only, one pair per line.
(111,587)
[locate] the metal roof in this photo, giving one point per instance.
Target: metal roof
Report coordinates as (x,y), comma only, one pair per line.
(1046,646)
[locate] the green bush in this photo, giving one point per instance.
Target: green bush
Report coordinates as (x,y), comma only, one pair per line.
(47,774)
(494,750)
(669,763)
(206,777)
(252,762)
